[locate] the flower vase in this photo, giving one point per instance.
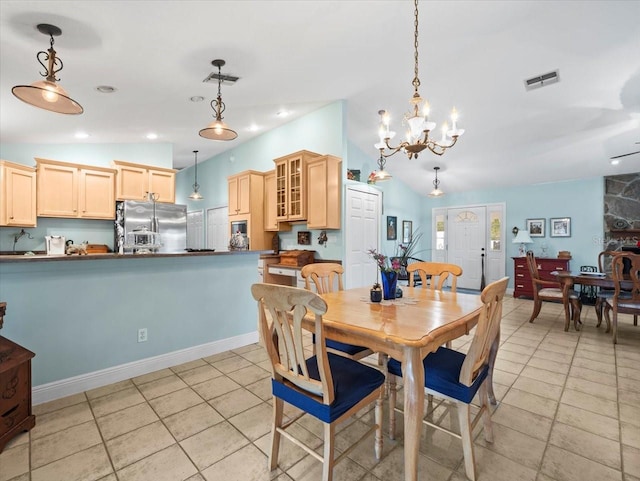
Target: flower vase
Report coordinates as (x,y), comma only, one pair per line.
(389,281)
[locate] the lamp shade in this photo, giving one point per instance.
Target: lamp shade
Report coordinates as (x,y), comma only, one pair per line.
(522,237)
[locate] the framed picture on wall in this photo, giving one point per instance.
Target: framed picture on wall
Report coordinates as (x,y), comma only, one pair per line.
(536,227)
(560,226)
(392,227)
(407,231)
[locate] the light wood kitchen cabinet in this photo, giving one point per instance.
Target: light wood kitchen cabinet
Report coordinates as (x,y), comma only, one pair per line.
(270,220)
(240,192)
(136,181)
(324,192)
(74,190)
(291,184)
(18,195)
(246,203)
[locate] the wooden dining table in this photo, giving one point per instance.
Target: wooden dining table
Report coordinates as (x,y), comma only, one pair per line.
(406,329)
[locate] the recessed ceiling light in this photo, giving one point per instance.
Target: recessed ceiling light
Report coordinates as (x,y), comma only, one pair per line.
(283,113)
(253,128)
(197,98)
(152,136)
(615,161)
(105,89)
(81,135)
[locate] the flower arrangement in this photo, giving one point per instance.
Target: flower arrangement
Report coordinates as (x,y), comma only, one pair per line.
(402,254)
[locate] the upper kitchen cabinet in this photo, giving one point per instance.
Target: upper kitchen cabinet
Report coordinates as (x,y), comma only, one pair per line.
(74,190)
(18,195)
(323,192)
(270,219)
(136,181)
(291,184)
(246,199)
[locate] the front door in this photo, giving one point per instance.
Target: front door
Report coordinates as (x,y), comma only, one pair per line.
(467,239)
(362,227)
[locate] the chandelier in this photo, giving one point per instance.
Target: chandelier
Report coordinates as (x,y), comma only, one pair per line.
(417,121)
(196,195)
(218,130)
(436,192)
(47,94)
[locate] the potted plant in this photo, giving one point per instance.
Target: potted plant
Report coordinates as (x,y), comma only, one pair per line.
(376,293)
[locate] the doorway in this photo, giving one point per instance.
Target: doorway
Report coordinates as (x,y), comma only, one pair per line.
(218,233)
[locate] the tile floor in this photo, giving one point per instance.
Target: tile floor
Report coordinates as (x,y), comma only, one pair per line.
(569,410)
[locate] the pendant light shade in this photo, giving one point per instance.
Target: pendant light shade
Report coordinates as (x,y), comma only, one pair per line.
(382,174)
(47,94)
(436,192)
(218,130)
(196,195)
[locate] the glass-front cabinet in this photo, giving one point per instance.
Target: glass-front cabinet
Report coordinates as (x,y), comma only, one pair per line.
(291,185)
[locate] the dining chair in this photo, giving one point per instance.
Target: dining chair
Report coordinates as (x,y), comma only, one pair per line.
(604,266)
(434,274)
(403,275)
(327,277)
(544,290)
(457,377)
(623,301)
(330,388)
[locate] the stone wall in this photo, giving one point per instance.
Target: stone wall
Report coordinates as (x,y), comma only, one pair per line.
(622,210)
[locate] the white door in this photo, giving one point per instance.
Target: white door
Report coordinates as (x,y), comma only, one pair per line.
(195,229)
(467,243)
(362,228)
(218,229)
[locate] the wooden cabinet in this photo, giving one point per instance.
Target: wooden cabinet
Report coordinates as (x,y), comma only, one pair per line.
(136,181)
(522,285)
(291,184)
(74,190)
(17,195)
(246,199)
(324,192)
(270,218)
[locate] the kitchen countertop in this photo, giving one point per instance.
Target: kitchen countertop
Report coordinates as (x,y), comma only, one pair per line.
(89,257)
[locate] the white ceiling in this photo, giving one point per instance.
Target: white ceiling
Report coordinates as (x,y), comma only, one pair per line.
(301,55)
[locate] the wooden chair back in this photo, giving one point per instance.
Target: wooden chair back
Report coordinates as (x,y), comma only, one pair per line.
(434,274)
(487,330)
(323,275)
(604,260)
(281,312)
(619,265)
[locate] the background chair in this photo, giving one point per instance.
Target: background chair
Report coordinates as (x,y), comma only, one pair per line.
(457,377)
(329,387)
(544,290)
(327,277)
(627,302)
(604,265)
(403,275)
(434,274)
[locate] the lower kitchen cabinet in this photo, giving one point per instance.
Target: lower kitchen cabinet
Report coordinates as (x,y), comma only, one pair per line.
(522,285)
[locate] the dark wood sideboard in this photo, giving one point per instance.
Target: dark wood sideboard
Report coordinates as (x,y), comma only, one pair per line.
(15,389)
(522,286)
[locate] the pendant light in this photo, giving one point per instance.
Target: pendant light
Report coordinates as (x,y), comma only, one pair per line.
(47,94)
(381,174)
(436,192)
(218,130)
(196,195)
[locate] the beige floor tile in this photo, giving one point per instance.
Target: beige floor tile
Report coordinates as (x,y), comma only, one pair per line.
(170,464)
(629,397)
(256,356)
(595,365)
(175,402)
(200,374)
(262,388)
(629,414)
(126,420)
(64,443)
(310,469)
(290,454)
(543,375)
(523,421)
(628,384)
(234,402)
(594,388)
(249,375)
(188,366)
(89,465)
(219,357)
(531,402)
(630,434)
(492,466)
(135,445)
(517,348)
(215,387)
(213,444)
(595,356)
(590,403)
(589,421)
(248,348)
(631,459)
(17,440)
(254,422)
(152,376)
(61,419)
(116,401)
(509,366)
(246,464)
(191,421)
(515,445)
(513,356)
(550,346)
(392,467)
(583,443)
(563,357)
(593,375)
(196,477)
(14,462)
(540,388)
(231,364)
(50,406)
(109,389)
(162,386)
(549,365)
(563,465)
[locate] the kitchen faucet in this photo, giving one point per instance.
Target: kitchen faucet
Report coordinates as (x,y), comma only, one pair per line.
(18,236)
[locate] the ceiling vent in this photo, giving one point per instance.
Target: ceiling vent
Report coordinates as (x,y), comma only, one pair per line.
(213,77)
(542,80)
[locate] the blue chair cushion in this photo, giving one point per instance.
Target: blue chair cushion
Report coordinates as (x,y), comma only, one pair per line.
(352,381)
(442,374)
(341,346)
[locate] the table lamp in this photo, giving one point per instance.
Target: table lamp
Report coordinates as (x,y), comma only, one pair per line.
(522,238)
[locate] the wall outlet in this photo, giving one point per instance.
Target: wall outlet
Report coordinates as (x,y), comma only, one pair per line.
(142,335)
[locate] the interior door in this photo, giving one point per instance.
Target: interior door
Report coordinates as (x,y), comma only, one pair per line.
(467,243)
(218,229)
(362,228)
(195,229)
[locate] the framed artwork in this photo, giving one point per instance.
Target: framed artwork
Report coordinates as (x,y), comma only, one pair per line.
(392,227)
(407,231)
(304,238)
(536,227)
(560,226)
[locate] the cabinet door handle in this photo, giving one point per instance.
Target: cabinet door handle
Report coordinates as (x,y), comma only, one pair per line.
(559,269)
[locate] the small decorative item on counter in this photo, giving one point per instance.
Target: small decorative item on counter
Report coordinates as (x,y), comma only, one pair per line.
(376,293)
(398,293)
(80,249)
(238,242)
(564,255)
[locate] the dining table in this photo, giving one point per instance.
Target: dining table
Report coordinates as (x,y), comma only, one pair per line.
(407,329)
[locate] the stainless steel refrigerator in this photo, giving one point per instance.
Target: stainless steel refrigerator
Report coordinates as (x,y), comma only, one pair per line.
(168,220)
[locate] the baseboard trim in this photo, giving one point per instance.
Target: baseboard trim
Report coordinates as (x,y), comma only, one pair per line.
(84,382)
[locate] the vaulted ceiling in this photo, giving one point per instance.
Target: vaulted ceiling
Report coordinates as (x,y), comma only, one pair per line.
(298,56)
